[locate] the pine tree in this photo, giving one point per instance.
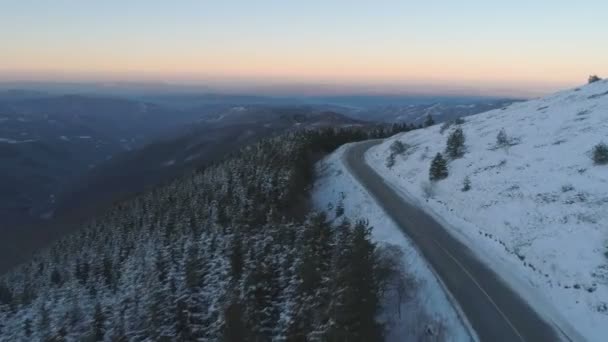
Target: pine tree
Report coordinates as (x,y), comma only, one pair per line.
(99,318)
(466,184)
(340,208)
(365,286)
(107,271)
(27,327)
(234,327)
(429,121)
(182,326)
(502,139)
(455,144)
(439,168)
(56,277)
(354,300)
(193,266)
(6,295)
(44,322)
(390,161)
(594,78)
(236,257)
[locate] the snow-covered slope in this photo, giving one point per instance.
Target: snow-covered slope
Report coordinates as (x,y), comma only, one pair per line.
(538,209)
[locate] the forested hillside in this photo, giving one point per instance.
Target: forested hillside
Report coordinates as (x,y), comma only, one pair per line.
(227,253)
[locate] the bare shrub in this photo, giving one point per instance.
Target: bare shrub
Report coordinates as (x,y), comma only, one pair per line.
(393,278)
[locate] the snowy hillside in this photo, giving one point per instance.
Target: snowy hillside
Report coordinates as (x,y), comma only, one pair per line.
(537,209)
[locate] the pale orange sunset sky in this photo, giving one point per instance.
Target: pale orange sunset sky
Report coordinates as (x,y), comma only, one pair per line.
(514,47)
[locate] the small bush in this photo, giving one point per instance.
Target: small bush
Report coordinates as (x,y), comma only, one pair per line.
(455,144)
(466,184)
(600,154)
(459,121)
(439,168)
(594,78)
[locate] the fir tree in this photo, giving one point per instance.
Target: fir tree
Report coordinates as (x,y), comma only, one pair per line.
(27,327)
(99,318)
(44,322)
(455,144)
(429,121)
(56,277)
(6,295)
(466,184)
(182,326)
(390,160)
(593,79)
(234,327)
(439,168)
(502,139)
(340,208)
(193,266)
(236,257)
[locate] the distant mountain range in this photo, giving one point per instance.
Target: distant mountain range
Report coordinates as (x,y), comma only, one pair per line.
(417,113)
(191,147)
(47,141)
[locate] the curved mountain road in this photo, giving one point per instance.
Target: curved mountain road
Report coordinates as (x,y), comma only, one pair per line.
(494,310)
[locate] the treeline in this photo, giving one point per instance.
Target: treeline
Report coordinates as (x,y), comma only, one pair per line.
(214,256)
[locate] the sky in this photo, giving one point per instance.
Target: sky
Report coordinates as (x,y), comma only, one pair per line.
(478,46)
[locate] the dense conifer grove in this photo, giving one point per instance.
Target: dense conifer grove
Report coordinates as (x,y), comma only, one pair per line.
(227,253)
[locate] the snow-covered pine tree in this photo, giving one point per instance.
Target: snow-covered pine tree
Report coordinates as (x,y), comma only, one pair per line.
(429,121)
(439,168)
(455,147)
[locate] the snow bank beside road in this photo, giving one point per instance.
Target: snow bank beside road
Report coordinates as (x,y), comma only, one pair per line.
(429,308)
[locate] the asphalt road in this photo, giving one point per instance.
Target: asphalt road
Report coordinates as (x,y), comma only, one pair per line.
(494,310)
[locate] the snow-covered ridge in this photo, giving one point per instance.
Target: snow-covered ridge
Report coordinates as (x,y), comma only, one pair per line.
(538,206)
